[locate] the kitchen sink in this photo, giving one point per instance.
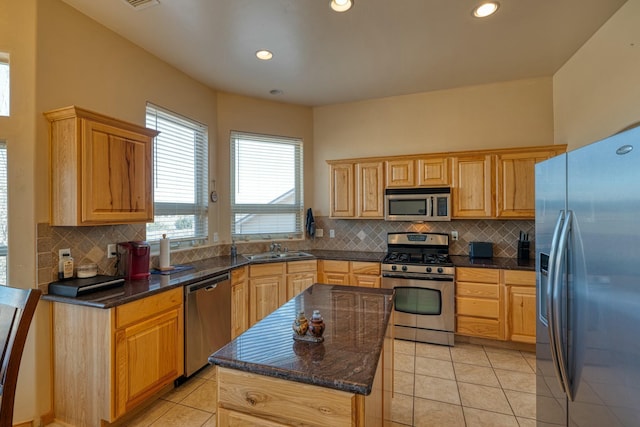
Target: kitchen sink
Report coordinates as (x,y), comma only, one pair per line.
(277,255)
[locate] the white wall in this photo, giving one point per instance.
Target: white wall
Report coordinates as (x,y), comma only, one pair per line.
(597,92)
(509,114)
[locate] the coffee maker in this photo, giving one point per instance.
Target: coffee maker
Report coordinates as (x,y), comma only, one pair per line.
(133,259)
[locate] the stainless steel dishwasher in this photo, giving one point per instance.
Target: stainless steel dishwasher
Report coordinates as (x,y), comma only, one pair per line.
(207,325)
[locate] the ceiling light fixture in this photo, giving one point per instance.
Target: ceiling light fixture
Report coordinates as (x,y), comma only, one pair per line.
(264,54)
(341,5)
(486,9)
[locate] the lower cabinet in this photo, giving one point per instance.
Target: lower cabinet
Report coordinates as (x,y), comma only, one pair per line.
(496,304)
(273,284)
(239,301)
(521,305)
(479,303)
(300,275)
(355,273)
(132,352)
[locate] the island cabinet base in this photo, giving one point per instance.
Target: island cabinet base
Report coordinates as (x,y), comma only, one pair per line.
(246,399)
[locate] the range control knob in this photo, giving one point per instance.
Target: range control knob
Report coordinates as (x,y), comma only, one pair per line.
(394,267)
(428,269)
(440,269)
(404,268)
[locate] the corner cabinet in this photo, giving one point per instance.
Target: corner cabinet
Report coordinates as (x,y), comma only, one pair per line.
(132,352)
(101,171)
(515,181)
(357,190)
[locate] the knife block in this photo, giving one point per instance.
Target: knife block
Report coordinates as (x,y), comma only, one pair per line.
(523,249)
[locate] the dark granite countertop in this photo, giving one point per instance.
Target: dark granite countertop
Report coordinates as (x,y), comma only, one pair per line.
(499,263)
(133,290)
(356,320)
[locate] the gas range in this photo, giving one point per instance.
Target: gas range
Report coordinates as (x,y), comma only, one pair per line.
(417,253)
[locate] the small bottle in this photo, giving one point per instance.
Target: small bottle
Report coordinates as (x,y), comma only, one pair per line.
(234,250)
(65,266)
(316,326)
(301,324)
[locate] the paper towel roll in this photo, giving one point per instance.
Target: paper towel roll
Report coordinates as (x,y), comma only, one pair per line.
(165,261)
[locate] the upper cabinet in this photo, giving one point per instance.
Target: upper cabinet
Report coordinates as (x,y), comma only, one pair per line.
(472,192)
(428,171)
(357,189)
(484,183)
(101,169)
(515,181)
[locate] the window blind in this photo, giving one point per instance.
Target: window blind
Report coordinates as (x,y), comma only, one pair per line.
(266,187)
(180,166)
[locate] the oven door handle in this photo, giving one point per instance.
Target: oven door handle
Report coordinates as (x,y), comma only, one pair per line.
(418,276)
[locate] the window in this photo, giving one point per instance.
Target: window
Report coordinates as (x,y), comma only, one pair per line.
(266,187)
(180,166)
(4,84)
(4,225)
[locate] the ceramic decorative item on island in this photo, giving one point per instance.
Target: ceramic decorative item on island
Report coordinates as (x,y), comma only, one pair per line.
(308,331)
(316,327)
(301,324)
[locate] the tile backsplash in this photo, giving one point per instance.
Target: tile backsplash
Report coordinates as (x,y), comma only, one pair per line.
(89,244)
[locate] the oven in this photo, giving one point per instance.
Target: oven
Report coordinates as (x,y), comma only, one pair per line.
(418,269)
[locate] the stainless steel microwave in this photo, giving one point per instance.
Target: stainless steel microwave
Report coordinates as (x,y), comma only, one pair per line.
(417,204)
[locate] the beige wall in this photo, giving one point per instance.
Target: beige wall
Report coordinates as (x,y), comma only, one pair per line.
(18,37)
(596,92)
(83,63)
(241,113)
(509,114)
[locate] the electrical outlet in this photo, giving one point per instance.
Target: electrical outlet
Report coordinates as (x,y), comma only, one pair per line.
(111,250)
(332,234)
(319,232)
(215,237)
(454,235)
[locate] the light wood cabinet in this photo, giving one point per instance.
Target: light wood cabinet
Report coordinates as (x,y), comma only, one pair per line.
(239,301)
(473,186)
(267,289)
(433,171)
(132,351)
(428,171)
(273,284)
(520,288)
(300,275)
(496,304)
(357,190)
(370,190)
(101,169)
(515,181)
(355,273)
(342,190)
(400,173)
(479,303)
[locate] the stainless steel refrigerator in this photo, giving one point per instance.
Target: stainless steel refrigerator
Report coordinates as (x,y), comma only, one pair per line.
(588,285)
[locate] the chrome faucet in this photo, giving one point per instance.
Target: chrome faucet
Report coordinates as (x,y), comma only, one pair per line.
(275,247)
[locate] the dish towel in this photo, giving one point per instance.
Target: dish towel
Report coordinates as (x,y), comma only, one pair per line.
(311,224)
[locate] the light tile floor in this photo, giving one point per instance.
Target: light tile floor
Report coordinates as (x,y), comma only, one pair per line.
(467,385)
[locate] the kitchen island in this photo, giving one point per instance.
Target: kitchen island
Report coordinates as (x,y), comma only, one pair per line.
(267,378)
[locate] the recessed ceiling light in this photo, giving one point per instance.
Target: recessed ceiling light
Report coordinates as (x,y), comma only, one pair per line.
(276,92)
(264,54)
(341,5)
(486,9)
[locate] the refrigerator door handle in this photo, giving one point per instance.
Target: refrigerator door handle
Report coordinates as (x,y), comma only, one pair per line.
(551,303)
(563,247)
